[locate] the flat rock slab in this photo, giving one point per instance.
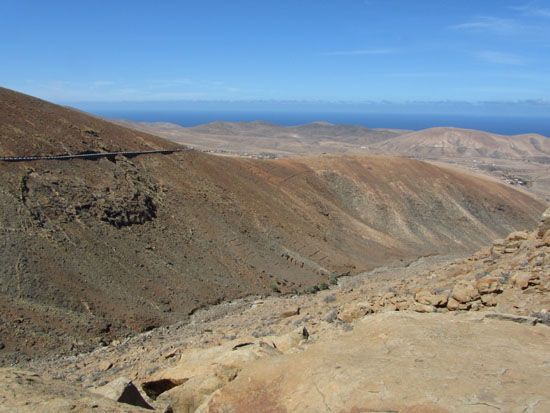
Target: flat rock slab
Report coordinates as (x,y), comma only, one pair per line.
(22,392)
(122,390)
(403,362)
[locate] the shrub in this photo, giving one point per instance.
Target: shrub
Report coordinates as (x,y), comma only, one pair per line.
(323,286)
(312,290)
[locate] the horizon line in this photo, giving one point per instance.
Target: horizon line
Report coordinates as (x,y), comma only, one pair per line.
(541,102)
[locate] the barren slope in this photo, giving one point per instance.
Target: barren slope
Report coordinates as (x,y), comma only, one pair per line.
(101,248)
(468,335)
(454,142)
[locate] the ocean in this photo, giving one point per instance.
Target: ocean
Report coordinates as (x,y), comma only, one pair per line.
(504,125)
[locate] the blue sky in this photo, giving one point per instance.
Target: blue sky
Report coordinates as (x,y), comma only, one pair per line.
(348,50)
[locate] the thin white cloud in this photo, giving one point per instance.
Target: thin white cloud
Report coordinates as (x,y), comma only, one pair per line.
(172,82)
(500,58)
(101,83)
(520,74)
(490,24)
(419,74)
(532,9)
(359,52)
(541,12)
(104,90)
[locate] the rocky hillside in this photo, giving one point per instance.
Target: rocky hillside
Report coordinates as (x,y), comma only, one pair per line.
(465,143)
(95,250)
(267,139)
(468,335)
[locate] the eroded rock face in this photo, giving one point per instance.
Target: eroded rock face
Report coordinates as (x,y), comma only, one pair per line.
(121,195)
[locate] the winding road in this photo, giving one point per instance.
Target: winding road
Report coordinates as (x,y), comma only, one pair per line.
(91,155)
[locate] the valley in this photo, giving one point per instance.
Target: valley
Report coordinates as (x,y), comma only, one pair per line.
(135,261)
(447,320)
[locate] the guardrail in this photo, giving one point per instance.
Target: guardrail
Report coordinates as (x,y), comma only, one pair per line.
(91,155)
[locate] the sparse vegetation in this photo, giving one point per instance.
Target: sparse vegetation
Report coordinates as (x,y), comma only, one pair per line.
(312,290)
(323,286)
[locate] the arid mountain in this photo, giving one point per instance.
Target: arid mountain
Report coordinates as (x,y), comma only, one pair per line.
(262,138)
(93,249)
(454,142)
(521,160)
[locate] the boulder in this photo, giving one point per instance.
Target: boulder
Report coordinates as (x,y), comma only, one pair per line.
(488,285)
(122,390)
(522,279)
(465,292)
(202,371)
(489,300)
(423,308)
(189,396)
(28,392)
(428,298)
(290,340)
(197,362)
(452,304)
(353,311)
(402,304)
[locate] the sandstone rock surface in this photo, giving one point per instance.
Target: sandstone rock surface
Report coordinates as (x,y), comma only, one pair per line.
(387,364)
(122,390)
(26,392)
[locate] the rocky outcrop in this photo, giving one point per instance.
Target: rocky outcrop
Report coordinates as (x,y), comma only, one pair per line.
(544,225)
(122,390)
(26,392)
(125,197)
